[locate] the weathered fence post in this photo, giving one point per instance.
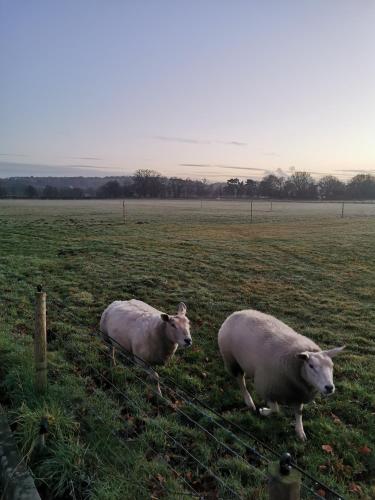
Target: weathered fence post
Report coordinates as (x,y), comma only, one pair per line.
(271,206)
(124,211)
(251,211)
(43,430)
(284,481)
(40,340)
(201,204)
(342,209)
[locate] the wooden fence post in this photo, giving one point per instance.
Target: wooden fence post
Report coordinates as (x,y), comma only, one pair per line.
(251,211)
(342,209)
(124,211)
(284,481)
(40,340)
(271,206)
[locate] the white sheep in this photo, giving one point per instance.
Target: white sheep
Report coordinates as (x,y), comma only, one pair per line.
(151,335)
(287,367)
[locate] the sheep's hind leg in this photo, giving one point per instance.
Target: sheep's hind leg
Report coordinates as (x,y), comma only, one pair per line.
(273,407)
(299,425)
(245,393)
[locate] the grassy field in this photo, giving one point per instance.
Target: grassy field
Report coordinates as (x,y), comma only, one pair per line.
(299,262)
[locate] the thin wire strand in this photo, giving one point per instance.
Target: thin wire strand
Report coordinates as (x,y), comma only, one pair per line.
(224,419)
(194,492)
(309,490)
(207,468)
(259,471)
(228,448)
(194,398)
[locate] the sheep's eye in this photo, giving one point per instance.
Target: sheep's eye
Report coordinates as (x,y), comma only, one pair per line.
(174,326)
(311,366)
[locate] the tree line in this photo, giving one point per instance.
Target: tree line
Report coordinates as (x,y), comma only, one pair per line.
(151,184)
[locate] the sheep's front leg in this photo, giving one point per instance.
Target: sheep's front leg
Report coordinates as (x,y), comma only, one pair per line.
(273,407)
(152,374)
(299,425)
(155,376)
(245,393)
(113,356)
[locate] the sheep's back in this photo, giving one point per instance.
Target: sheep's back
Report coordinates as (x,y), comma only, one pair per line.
(255,339)
(129,323)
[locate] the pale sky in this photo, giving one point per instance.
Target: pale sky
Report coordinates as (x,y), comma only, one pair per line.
(196,88)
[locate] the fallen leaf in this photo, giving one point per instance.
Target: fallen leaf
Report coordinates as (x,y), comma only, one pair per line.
(335,418)
(365,450)
(160,478)
(321,493)
(355,488)
(322,467)
(327,448)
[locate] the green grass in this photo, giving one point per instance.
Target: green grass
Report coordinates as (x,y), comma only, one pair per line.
(303,264)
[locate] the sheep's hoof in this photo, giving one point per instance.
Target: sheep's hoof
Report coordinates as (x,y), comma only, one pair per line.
(302,436)
(265,412)
(249,403)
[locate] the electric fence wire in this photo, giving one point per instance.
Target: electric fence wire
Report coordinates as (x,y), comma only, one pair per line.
(256,454)
(188,394)
(175,441)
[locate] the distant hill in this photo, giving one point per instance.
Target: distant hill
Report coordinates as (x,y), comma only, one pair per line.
(16,185)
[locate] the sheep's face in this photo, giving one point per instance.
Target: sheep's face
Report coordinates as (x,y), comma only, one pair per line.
(317,369)
(178,327)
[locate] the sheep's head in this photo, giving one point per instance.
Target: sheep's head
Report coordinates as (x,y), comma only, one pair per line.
(178,327)
(317,369)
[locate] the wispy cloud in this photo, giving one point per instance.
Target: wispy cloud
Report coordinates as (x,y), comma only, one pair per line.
(356,171)
(195,165)
(231,167)
(232,143)
(90,158)
(14,169)
(271,154)
(13,154)
(180,139)
(197,141)
(216,175)
(234,167)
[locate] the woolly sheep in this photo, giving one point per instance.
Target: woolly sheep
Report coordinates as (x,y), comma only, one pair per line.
(287,367)
(151,335)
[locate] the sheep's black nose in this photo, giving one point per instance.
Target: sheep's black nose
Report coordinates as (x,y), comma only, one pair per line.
(329,389)
(188,341)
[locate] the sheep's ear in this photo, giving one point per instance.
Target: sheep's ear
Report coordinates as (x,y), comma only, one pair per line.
(334,352)
(165,317)
(303,355)
(181,309)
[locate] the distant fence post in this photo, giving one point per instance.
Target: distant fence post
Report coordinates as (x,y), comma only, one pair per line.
(271,206)
(251,211)
(201,204)
(124,211)
(342,209)
(284,482)
(40,340)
